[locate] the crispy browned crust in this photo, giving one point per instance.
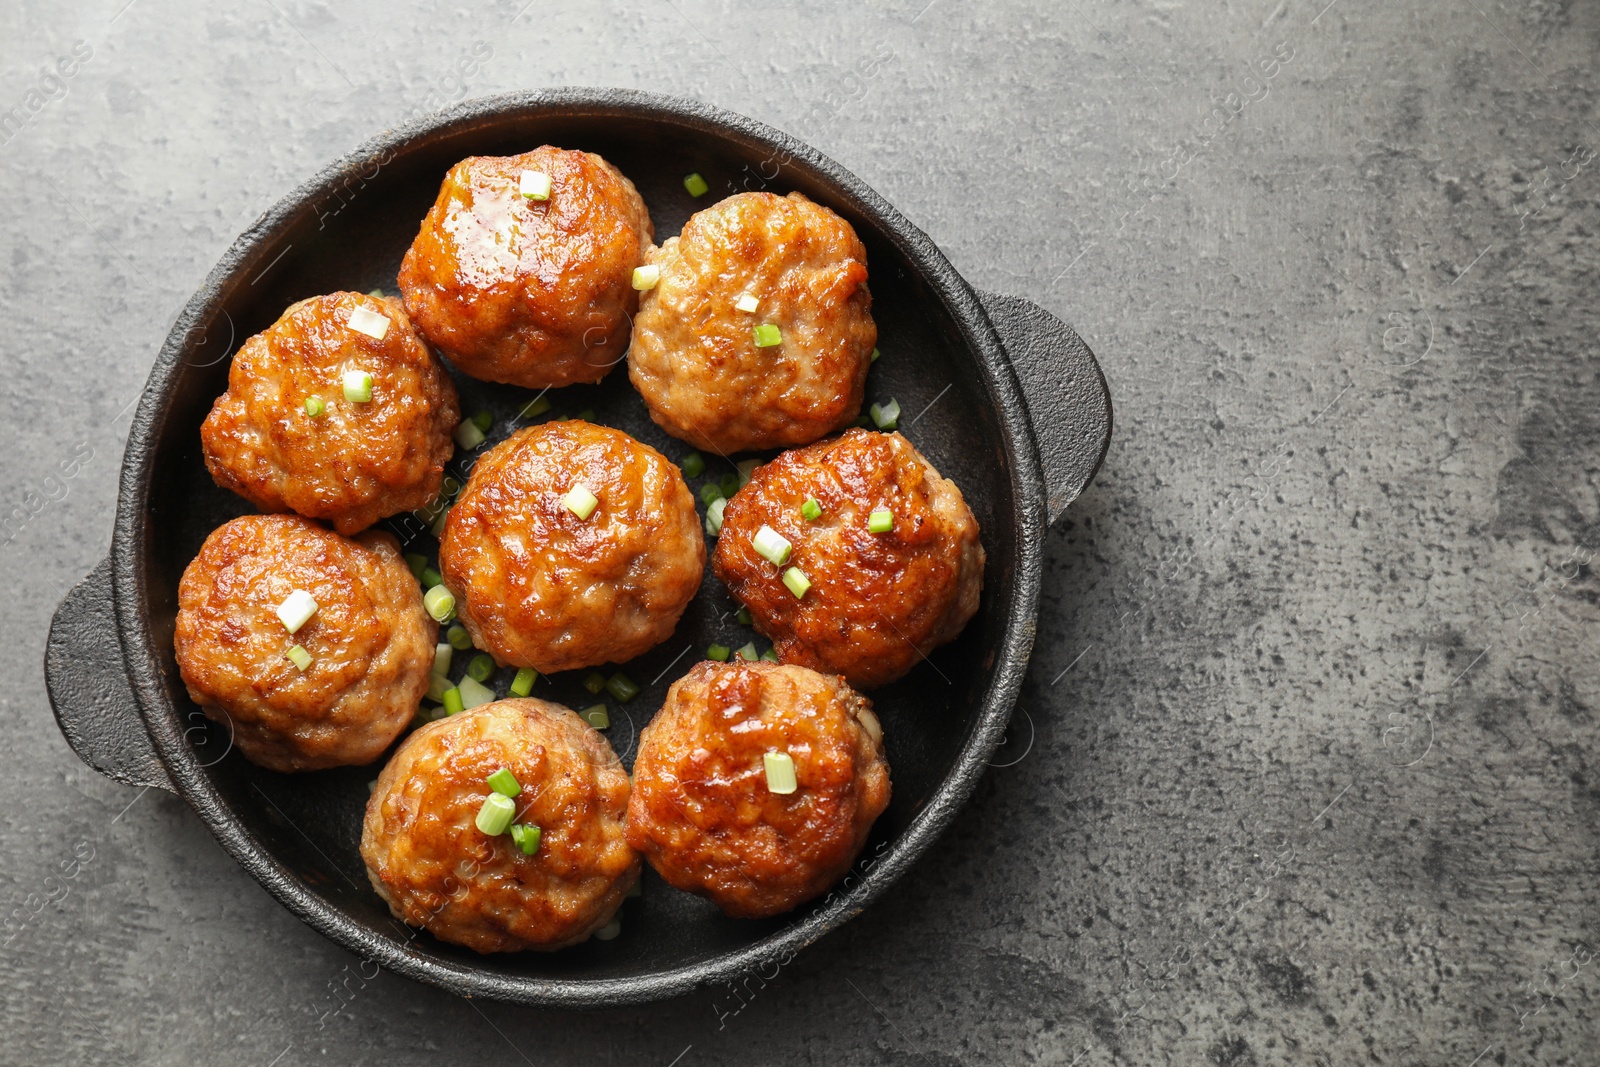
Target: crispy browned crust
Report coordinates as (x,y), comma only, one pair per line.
(694,357)
(701,811)
(526,292)
(354,463)
(878,603)
(371,642)
(435,869)
(539,587)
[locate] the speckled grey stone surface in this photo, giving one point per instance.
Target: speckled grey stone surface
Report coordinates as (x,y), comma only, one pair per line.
(1305,767)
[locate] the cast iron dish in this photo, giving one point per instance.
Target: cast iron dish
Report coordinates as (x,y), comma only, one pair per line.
(1003,398)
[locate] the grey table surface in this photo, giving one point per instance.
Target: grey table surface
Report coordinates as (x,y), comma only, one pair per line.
(1302,771)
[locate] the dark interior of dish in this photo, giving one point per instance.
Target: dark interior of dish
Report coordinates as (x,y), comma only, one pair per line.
(353,238)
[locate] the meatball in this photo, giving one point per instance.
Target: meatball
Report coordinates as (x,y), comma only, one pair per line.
(539,586)
(703,811)
(695,355)
(369,642)
(347,462)
(435,869)
(877,602)
(529,292)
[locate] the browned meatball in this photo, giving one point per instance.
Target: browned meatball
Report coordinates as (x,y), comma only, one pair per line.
(352,463)
(702,811)
(529,292)
(538,586)
(369,641)
(878,602)
(435,869)
(694,353)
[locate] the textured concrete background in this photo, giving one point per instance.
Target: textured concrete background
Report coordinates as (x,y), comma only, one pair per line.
(1307,768)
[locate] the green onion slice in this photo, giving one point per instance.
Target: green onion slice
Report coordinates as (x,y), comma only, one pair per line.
(458,637)
(780,773)
(875,355)
(770,655)
(364,320)
(611,930)
(594,682)
(480,667)
(729,483)
(696,185)
(452,701)
(748,653)
(535,407)
(296,609)
(743,616)
(534,185)
(797,582)
(694,465)
(720,653)
(483,420)
(441,604)
(714,516)
(646,277)
(526,838)
(766,335)
(474,693)
(504,782)
(357,386)
(587,415)
(438,686)
(747,302)
(494,818)
(315,406)
(747,467)
(375,292)
(431,577)
(772,546)
(299,657)
(437,526)
(710,492)
(597,717)
(522,684)
(580,501)
(468,436)
(442,654)
(881,520)
(811,510)
(885,416)
(621,686)
(417,562)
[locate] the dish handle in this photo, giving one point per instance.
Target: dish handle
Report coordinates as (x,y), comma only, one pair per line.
(87,680)
(1068,401)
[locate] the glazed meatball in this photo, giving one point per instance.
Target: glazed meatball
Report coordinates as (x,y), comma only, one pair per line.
(349,463)
(539,586)
(694,354)
(436,869)
(877,602)
(529,292)
(703,812)
(369,641)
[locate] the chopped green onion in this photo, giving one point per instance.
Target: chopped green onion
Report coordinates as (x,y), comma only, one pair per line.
(315,406)
(474,692)
(437,527)
(875,354)
(526,838)
(720,653)
(596,716)
(438,686)
(458,637)
(696,185)
(748,653)
(710,492)
(480,667)
(483,420)
(357,386)
(431,577)
(771,546)
(729,484)
(594,682)
(425,715)
(452,701)
(375,292)
(886,416)
(881,520)
(770,655)
(747,467)
(468,436)
(621,686)
(504,782)
(747,302)
(587,414)
(646,277)
(440,602)
(535,185)
(780,773)
(767,335)
(535,407)
(861,422)
(611,929)
(743,616)
(494,818)
(522,684)
(368,322)
(418,563)
(442,655)
(694,465)
(299,657)
(714,516)
(580,501)
(797,582)
(811,510)
(296,609)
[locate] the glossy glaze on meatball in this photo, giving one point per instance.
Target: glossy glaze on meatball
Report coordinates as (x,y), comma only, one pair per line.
(529,292)
(351,463)
(369,641)
(435,869)
(694,355)
(878,602)
(702,811)
(538,586)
